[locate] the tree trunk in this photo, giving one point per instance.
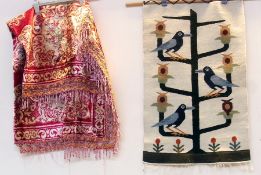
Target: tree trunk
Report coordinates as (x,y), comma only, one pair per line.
(194,82)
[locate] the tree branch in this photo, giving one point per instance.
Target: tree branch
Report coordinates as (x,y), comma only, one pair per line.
(209,23)
(217,127)
(213,52)
(225,94)
(170,134)
(178,17)
(176,91)
(163,58)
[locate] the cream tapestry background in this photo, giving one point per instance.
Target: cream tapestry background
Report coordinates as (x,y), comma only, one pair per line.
(211,113)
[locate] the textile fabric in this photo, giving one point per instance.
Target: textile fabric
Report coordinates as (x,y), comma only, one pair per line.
(195,84)
(63,96)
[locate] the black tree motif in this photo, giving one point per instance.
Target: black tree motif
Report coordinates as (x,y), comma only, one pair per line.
(194,94)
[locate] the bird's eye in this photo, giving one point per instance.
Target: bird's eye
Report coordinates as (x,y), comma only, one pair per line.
(207,69)
(183,106)
(180,34)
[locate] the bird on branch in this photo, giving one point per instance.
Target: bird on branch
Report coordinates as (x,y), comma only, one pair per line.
(174,44)
(214,81)
(175,119)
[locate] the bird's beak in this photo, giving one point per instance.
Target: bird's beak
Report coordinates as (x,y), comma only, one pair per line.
(199,71)
(190,108)
(187,35)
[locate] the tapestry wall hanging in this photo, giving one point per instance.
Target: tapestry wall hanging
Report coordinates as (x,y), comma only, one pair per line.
(195,84)
(63,96)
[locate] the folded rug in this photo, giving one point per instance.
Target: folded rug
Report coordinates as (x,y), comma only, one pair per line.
(63,97)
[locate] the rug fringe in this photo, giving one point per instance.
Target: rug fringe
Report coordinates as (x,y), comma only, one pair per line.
(78,154)
(245,166)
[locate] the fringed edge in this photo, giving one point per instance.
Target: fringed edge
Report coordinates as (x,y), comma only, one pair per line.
(73,152)
(103,83)
(244,165)
(81,154)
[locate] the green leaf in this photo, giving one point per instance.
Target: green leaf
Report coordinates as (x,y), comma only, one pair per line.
(175,147)
(238,148)
(237,144)
(235,112)
(161,149)
(154,104)
(161,146)
(175,150)
(182,146)
(182,150)
(155,149)
(232,148)
(217,148)
(221,113)
(169,104)
(211,149)
(212,146)
(231,144)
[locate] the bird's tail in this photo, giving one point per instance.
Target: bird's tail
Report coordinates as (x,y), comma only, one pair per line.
(156,50)
(232,85)
(157,124)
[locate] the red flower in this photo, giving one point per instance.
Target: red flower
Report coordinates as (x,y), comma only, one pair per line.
(234,139)
(213,140)
(225,32)
(227,106)
(157,141)
(163,70)
(160,27)
(178,141)
(227,60)
(162,99)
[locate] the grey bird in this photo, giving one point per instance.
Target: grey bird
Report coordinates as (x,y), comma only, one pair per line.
(175,119)
(174,44)
(213,81)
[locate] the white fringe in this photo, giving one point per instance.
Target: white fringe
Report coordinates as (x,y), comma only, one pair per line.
(224,168)
(88,154)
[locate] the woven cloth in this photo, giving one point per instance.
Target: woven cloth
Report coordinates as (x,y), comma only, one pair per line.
(63,96)
(195,84)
